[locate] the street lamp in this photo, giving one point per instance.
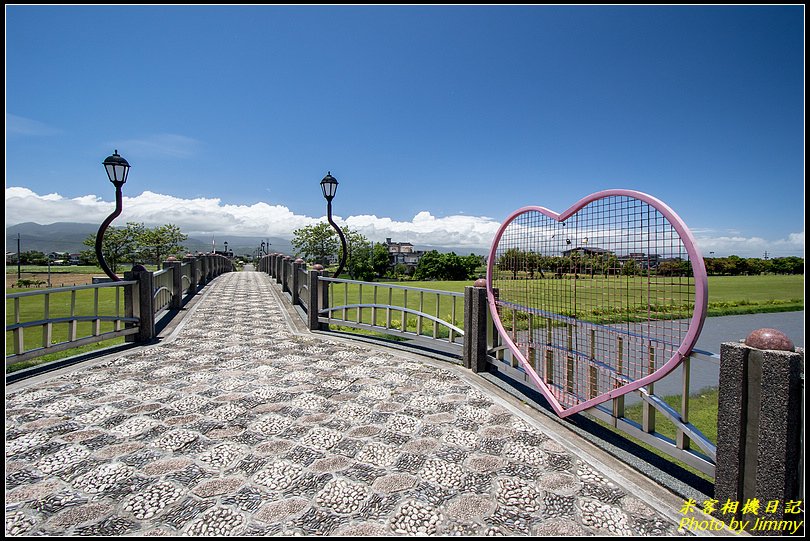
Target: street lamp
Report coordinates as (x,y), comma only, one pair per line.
(264,250)
(329,186)
(117,171)
(226,248)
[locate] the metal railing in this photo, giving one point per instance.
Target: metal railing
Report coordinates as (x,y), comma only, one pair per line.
(412,312)
(690,445)
(59,307)
(428,315)
(127,308)
(163,289)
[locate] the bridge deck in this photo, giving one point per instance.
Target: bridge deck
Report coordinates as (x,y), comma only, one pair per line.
(241,424)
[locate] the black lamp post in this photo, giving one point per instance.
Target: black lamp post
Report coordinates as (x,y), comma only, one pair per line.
(226,248)
(117,171)
(329,186)
(264,250)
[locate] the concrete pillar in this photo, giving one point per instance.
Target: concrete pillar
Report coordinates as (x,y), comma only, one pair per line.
(203,269)
(192,274)
(143,309)
(313,302)
(285,274)
(474,351)
(177,282)
(294,279)
(759,428)
(279,268)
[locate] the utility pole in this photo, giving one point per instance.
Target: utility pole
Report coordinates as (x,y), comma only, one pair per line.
(18,257)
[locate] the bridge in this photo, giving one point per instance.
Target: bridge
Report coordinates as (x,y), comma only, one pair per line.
(240,421)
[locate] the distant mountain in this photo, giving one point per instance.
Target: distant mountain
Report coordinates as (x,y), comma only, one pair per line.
(56,237)
(69,237)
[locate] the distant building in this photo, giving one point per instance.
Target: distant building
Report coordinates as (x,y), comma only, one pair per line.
(402,253)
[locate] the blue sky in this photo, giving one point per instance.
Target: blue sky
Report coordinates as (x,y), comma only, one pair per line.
(438,121)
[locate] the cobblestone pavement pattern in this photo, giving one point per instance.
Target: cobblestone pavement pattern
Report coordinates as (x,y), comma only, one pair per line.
(241,426)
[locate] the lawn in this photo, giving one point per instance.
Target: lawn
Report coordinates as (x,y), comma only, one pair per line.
(32,308)
(727,295)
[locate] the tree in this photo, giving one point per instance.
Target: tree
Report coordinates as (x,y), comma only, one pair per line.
(630,268)
(160,242)
(436,266)
(316,242)
(513,259)
(380,259)
(33,257)
(358,261)
(400,270)
(119,244)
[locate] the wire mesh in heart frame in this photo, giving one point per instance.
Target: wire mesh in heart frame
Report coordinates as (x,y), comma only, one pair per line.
(597,301)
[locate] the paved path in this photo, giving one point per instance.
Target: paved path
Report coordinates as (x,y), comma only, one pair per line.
(240,424)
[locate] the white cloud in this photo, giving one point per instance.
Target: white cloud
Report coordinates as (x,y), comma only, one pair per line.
(205,216)
(202,216)
(724,245)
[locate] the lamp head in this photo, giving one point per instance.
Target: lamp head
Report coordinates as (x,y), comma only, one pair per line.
(117,169)
(329,186)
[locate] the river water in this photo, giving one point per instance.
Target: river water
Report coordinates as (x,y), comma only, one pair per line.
(717,330)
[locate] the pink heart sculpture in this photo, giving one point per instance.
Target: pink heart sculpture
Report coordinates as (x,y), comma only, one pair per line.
(598,301)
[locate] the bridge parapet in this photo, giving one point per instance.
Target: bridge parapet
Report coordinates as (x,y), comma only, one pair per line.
(129,308)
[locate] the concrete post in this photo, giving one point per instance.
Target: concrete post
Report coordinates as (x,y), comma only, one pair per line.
(177,283)
(474,351)
(294,280)
(203,270)
(285,274)
(279,268)
(759,428)
(313,300)
(145,303)
(192,275)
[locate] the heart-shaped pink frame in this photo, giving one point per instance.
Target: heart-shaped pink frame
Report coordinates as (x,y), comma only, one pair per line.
(695,324)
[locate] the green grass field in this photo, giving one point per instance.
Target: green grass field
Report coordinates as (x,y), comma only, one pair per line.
(727,295)
(32,308)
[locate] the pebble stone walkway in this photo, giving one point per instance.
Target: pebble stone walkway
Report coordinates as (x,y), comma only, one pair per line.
(239,425)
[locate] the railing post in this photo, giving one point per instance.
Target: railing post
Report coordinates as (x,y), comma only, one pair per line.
(285,274)
(759,428)
(131,306)
(323,297)
(192,274)
(474,351)
(203,270)
(177,282)
(295,285)
(142,304)
(279,267)
(313,302)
